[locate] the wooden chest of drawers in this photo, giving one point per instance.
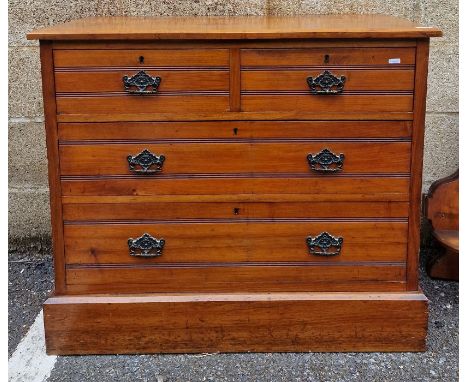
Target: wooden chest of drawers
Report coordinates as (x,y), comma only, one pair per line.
(235,184)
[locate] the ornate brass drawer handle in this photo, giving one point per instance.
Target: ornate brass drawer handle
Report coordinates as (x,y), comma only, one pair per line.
(326,83)
(324,245)
(146,162)
(146,246)
(141,83)
(326,161)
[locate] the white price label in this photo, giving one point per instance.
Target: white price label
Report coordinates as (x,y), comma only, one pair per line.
(394,61)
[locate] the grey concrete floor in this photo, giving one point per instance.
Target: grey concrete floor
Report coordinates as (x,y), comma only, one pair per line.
(30,280)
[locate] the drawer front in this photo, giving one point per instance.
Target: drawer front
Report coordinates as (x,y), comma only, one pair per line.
(254,81)
(177,249)
(158,103)
(141,81)
(231,158)
(284,188)
(353,80)
(244,241)
(137,209)
(180,279)
(77,58)
(87,83)
(239,160)
(328,56)
(128,131)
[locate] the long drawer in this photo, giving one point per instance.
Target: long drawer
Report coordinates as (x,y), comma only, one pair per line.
(188,247)
(131,131)
(244,241)
(368,160)
(239,187)
(235,157)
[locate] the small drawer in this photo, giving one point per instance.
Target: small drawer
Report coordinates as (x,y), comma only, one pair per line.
(141,81)
(140,58)
(339,80)
(308,57)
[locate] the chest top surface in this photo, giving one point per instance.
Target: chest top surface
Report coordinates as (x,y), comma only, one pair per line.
(239,27)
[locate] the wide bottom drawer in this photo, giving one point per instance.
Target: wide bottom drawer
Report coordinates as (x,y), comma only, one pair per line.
(252,254)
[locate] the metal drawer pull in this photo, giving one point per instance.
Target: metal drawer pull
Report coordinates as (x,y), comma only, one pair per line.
(324,245)
(326,161)
(146,246)
(326,83)
(146,162)
(141,83)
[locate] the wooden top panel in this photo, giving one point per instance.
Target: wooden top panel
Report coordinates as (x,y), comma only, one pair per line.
(245,27)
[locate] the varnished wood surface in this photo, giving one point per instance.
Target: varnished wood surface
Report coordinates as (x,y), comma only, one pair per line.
(258,278)
(111,81)
(160,102)
(141,209)
(303,115)
(441,208)
(53,162)
(266,287)
(227,241)
(317,188)
(131,58)
(442,203)
(131,131)
(417,152)
(219,158)
(233,44)
(295,80)
(448,238)
(242,27)
(346,102)
(235,199)
(335,57)
(236,323)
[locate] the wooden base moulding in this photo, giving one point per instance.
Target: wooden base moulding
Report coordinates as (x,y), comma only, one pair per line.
(279,322)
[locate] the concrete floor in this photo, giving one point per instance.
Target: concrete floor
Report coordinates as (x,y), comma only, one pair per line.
(30,280)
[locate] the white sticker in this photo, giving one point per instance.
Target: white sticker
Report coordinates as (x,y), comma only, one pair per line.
(394,61)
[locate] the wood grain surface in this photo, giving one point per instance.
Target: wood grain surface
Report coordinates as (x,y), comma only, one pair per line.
(236,198)
(141,209)
(208,130)
(241,27)
(227,242)
(236,323)
(313,188)
(335,56)
(222,158)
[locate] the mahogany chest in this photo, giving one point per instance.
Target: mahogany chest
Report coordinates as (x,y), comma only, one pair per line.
(235,183)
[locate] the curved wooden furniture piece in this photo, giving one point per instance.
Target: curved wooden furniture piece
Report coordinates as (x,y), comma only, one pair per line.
(441,209)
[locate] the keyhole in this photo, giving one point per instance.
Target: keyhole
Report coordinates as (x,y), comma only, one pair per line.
(236,211)
(141,59)
(326,59)
(235,130)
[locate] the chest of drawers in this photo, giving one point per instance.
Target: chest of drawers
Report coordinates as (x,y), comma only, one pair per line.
(235,184)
